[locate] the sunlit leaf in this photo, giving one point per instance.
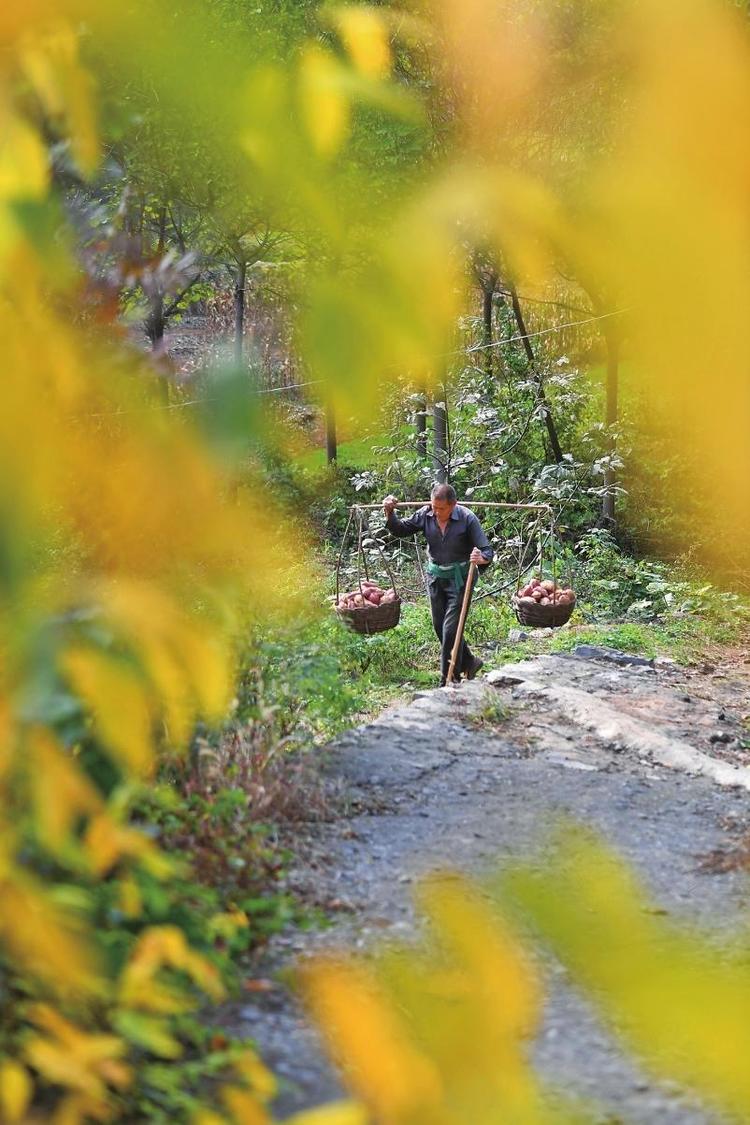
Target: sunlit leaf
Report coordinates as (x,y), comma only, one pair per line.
(66,89)
(73,1058)
(244,1107)
(336,1113)
(258,1077)
(119,703)
(383,1065)
(677,999)
(16,1089)
(365,35)
(62,794)
(325,106)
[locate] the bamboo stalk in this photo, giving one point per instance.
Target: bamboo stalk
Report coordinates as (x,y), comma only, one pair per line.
(476,504)
(461,622)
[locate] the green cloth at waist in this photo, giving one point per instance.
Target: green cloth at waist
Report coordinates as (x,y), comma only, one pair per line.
(455,571)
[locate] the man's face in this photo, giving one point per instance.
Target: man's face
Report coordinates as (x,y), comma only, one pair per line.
(442,509)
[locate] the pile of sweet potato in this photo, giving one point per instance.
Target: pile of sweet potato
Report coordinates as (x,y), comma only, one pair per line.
(545,592)
(369,594)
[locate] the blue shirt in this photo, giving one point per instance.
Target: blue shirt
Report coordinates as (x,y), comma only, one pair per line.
(463,532)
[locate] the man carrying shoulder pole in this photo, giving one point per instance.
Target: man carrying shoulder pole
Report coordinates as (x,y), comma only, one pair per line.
(455,538)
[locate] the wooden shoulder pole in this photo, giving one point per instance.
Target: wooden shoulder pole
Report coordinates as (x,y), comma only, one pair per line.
(462,621)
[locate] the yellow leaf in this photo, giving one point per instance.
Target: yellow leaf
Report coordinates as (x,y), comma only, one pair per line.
(75,1059)
(188,667)
(107,842)
(258,1077)
(65,88)
(61,792)
(117,697)
(80,1109)
(325,106)
(161,947)
(383,1065)
(24,165)
(365,36)
(16,1089)
(131,900)
(244,1107)
(208,1117)
(148,1031)
(499,972)
(338,1113)
(43,939)
(676,996)
(227,924)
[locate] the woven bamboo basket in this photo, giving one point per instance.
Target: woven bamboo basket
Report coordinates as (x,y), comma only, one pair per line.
(366,619)
(371,618)
(543,616)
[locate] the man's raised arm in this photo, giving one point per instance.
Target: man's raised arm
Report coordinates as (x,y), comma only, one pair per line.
(397,527)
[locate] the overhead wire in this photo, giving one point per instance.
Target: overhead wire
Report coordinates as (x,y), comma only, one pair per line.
(314,382)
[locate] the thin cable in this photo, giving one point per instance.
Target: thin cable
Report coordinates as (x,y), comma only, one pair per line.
(142,409)
(315,382)
(291,387)
(193,402)
(542,332)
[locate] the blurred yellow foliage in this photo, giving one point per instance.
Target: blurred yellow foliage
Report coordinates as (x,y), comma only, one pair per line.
(125,553)
(15,1090)
(364,32)
(437,1034)
(679,998)
(325,104)
(125,549)
(68,1057)
(64,86)
(159,947)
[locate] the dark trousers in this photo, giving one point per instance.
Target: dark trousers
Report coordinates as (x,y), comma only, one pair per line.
(445,605)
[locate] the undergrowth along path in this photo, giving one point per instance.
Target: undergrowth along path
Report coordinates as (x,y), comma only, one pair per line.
(470,777)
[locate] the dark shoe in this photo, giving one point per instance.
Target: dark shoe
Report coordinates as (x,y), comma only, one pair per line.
(475,666)
(455,680)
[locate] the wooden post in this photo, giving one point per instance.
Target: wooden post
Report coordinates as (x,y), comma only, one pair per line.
(331,439)
(440,438)
(420,420)
(461,621)
(613,370)
(239,313)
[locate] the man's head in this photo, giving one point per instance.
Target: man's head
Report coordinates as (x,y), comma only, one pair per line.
(443,498)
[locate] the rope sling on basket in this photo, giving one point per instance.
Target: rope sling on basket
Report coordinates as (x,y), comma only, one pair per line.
(542,603)
(539,603)
(368,609)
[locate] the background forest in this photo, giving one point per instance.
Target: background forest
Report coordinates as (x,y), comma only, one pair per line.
(259,263)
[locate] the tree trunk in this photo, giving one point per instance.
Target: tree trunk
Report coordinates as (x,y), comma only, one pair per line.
(488,295)
(420,421)
(156,320)
(440,440)
(331,443)
(613,380)
(548,419)
(613,375)
(155,323)
(239,313)
(154,329)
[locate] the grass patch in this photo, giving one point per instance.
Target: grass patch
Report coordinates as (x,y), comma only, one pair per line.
(354,453)
(491,714)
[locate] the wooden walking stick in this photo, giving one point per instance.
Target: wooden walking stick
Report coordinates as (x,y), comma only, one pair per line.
(462,621)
